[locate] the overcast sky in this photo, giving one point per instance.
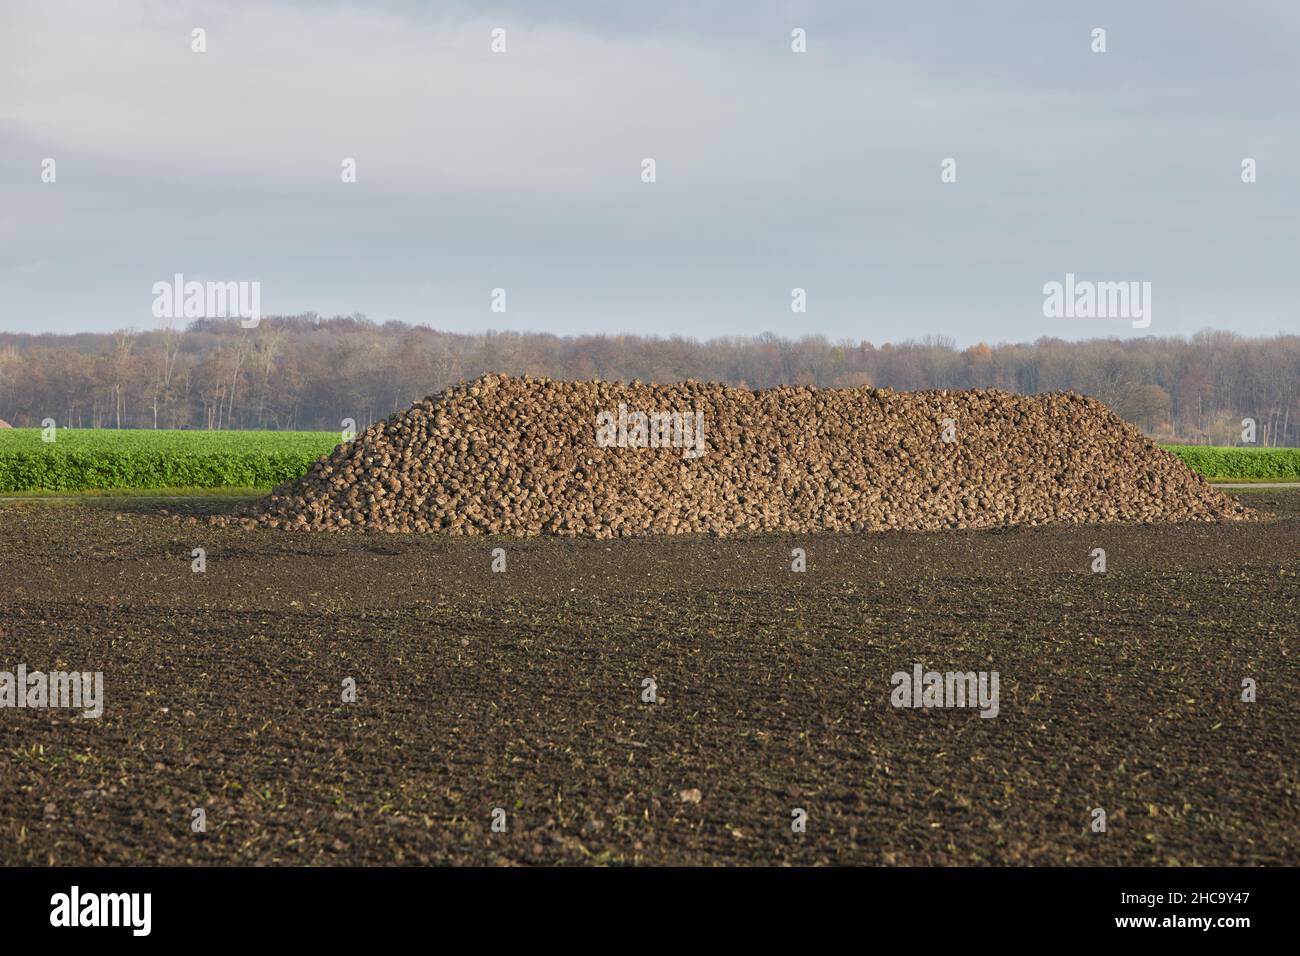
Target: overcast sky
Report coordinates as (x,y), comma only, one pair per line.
(775,170)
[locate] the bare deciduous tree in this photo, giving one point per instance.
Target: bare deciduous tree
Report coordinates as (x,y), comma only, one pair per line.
(308,372)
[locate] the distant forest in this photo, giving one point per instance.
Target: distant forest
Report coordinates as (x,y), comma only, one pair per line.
(307,372)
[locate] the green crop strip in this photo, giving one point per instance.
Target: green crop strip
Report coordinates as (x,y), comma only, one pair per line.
(1241,464)
(86,459)
(107,459)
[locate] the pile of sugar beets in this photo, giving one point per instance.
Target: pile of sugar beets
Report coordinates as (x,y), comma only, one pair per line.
(528,456)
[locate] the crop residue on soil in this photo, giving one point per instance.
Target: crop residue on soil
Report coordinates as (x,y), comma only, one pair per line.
(522,691)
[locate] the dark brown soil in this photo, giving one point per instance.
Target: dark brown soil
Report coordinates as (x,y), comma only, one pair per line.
(522,690)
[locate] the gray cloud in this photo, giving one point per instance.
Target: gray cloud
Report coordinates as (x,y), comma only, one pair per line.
(775,170)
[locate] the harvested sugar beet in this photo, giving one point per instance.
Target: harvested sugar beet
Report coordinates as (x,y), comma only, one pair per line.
(525,456)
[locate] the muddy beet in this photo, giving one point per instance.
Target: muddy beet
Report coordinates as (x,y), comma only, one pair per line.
(524,457)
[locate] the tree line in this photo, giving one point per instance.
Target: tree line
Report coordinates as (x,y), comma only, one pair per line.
(309,372)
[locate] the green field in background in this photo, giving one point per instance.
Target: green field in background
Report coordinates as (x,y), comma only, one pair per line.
(1240,464)
(107,459)
(103,459)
